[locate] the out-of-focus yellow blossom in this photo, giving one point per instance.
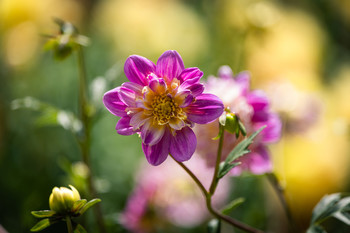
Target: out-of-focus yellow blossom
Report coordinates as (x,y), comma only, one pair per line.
(314,163)
(243,15)
(340,94)
(23,21)
(151,27)
(290,49)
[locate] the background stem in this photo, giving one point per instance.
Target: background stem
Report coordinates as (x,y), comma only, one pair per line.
(85,137)
(69,224)
(214,181)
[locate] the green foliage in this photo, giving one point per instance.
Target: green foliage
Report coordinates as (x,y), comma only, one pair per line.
(233,205)
(79,229)
(88,205)
(41,225)
(334,205)
(49,115)
(214,226)
(66,41)
(43,213)
(240,150)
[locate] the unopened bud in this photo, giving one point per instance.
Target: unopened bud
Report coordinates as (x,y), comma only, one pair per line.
(62,199)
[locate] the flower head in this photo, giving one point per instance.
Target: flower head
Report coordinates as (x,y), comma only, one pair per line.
(62,199)
(252,108)
(161,103)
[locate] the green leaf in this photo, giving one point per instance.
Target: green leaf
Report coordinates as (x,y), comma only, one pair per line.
(343,217)
(233,205)
(79,229)
(225,168)
(41,225)
(49,115)
(43,213)
(316,229)
(214,226)
(89,204)
(325,208)
(333,205)
(78,205)
(240,150)
(242,128)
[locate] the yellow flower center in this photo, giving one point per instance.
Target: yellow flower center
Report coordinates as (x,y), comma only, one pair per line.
(164,108)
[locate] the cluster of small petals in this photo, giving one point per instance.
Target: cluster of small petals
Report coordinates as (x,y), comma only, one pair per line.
(172,197)
(162,103)
(253,109)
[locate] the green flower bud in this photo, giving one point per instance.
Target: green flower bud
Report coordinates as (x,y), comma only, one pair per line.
(231,123)
(62,199)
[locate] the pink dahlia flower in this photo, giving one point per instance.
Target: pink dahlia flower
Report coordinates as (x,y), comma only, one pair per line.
(162,198)
(161,103)
(252,108)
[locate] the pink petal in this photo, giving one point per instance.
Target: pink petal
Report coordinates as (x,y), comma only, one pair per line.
(157,154)
(183,98)
(170,65)
(191,75)
(259,161)
(272,133)
(151,134)
(183,144)
(205,109)
(158,85)
(196,88)
(225,72)
(127,96)
(176,123)
(137,68)
(113,103)
(243,80)
(137,88)
(123,126)
(138,120)
(258,100)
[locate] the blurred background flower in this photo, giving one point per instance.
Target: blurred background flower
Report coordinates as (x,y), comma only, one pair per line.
(298,52)
(166,197)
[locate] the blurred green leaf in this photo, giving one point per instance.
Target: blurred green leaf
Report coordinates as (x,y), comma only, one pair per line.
(214,226)
(225,168)
(49,115)
(43,213)
(333,205)
(89,204)
(78,205)
(316,229)
(240,150)
(41,225)
(79,229)
(233,205)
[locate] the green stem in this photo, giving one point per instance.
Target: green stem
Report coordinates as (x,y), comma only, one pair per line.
(217,214)
(85,138)
(280,194)
(215,180)
(69,224)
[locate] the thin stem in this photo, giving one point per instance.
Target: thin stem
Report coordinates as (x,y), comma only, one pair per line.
(85,138)
(231,221)
(208,196)
(69,224)
(193,176)
(280,194)
(214,181)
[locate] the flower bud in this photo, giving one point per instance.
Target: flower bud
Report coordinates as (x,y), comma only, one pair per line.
(62,199)
(231,123)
